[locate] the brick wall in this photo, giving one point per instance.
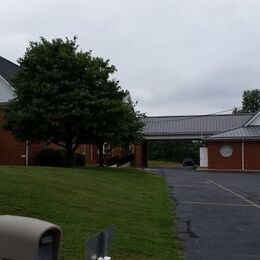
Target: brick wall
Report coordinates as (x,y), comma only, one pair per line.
(140,155)
(34,151)
(217,161)
(91,154)
(13,151)
(252,155)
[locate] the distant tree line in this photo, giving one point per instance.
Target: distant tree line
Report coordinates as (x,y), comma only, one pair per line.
(175,151)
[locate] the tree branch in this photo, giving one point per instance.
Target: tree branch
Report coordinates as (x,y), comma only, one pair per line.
(60,144)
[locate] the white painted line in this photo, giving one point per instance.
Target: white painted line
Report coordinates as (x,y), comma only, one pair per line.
(215,204)
(234,193)
(192,186)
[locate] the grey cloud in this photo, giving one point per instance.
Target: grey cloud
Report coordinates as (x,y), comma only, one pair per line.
(175,56)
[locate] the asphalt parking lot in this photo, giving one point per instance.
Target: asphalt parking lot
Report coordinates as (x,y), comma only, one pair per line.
(218,213)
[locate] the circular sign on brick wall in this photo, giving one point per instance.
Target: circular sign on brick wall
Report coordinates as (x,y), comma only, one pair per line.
(226,150)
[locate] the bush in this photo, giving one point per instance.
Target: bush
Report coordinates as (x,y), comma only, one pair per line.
(79,159)
(56,158)
(51,157)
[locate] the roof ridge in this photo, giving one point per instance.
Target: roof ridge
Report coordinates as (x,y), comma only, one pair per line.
(206,115)
(254,116)
(234,136)
(224,132)
(1,57)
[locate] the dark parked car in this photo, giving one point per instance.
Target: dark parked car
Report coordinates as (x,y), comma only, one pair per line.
(188,162)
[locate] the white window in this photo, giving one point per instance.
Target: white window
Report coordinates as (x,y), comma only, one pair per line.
(106,148)
(226,150)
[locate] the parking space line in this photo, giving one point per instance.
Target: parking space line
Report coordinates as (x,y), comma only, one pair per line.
(192,186)
(234,193)
(215,204)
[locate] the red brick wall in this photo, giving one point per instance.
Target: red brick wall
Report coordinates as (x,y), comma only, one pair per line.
(252,155)
(118,151)
(12,151)
(91,154)
(217,161)
(140,155)
(34,151)
(138,160)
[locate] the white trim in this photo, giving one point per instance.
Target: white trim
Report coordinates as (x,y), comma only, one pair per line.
(9,85)
(7,91)
(232,139)
(172,137)
(248,123)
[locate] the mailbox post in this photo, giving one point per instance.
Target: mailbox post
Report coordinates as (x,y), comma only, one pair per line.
(96,246)
(23,238)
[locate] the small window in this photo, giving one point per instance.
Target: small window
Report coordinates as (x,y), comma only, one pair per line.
(226,150)
(106,148)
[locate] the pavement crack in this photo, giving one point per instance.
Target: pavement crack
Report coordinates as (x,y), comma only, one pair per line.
(189,231)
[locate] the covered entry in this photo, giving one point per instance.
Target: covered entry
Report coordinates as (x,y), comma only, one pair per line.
(172,152)
(186,128)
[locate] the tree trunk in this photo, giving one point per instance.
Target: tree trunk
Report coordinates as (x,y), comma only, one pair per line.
(101,156)
(69,154)
(69,158)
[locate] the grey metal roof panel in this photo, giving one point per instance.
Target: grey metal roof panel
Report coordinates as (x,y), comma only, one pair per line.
(188,125)
(7,69)
(250,132)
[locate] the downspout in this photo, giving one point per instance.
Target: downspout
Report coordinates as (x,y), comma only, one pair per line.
(27,153)
(243,155)
(91,152)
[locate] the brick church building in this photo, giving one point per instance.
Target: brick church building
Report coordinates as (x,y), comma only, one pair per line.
(227,141)
(15,152)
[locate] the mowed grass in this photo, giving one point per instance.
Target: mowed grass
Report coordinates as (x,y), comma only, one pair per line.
(84,201)
(154,164)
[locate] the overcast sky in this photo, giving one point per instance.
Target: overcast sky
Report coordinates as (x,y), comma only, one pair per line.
(175,56)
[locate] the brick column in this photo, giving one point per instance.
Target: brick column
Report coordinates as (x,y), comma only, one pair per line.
(140,155)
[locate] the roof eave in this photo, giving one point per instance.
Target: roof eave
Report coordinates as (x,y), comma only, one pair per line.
(255,138)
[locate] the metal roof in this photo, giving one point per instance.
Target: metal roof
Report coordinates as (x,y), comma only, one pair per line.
(250,132)
(7,69)
(193,125)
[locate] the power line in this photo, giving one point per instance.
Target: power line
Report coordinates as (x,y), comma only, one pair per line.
(183,117)
(224,111)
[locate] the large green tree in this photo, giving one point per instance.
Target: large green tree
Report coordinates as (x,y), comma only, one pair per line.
(250,102)
(118,123)
(68,97)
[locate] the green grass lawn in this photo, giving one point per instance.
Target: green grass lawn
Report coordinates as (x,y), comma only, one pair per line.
(84,201)
(154,164)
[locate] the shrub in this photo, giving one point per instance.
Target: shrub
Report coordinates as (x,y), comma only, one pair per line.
(79,159)
(51,157)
